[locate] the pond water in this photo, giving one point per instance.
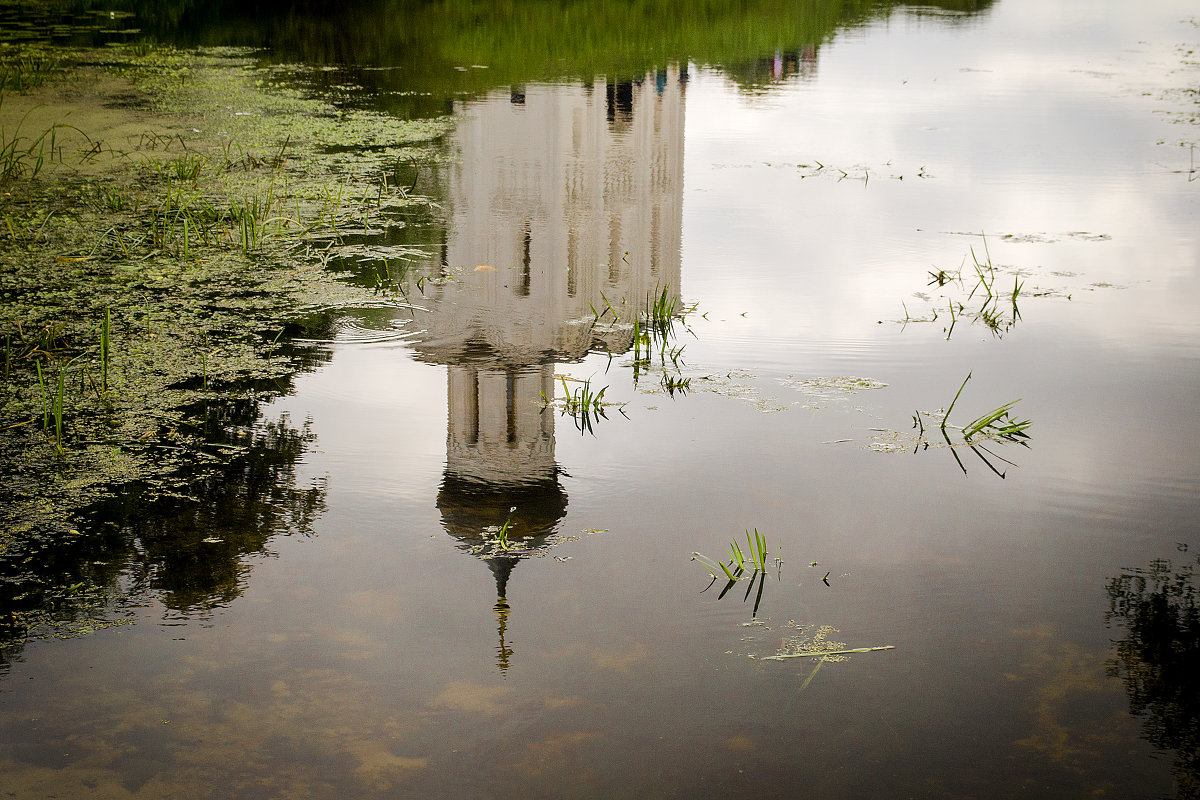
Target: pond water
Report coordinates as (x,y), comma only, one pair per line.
(829,219)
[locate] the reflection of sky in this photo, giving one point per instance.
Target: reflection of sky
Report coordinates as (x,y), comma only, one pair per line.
(373,643)
(1023,127)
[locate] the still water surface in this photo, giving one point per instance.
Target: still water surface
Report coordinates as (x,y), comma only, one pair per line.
(374,650)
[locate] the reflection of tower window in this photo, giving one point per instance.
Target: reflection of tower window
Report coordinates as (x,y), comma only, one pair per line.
(523,286)
(473,407)
(510,406)
(620,104)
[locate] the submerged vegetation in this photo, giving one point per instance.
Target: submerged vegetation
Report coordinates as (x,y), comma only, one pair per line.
(149,276)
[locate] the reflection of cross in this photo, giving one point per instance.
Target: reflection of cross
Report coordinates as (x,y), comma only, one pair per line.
(502,568)
(473,508)
(503,651)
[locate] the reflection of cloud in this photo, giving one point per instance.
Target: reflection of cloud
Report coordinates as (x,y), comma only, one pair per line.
(552,752)
(621,662)
(472,697)
(379,769)
(554,701)
(1029,146)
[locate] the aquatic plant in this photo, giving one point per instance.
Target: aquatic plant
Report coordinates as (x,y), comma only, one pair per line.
(995,315)
(735,569)
(184,167)
(27,71)
(997,423)
(19,159)
(584,405)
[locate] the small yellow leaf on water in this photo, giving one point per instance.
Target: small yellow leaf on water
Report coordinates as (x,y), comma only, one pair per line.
(482,267)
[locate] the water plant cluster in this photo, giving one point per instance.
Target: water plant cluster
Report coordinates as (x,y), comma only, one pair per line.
(151,281)
(656,331)
(996,425)
(749,564)
(999,306)
(583,404)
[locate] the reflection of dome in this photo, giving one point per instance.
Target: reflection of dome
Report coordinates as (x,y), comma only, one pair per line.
(468,507)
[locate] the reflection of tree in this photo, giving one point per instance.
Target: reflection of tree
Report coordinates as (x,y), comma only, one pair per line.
(182,538)
(193,554)
(430,48)
(1159,660)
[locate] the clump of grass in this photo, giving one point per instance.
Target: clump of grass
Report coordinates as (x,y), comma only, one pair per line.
(27,71)
(997,423)
(585,406)
(996,315)
(753,558)
(183,167)
(660,308)
(655,335)
(756,554)
(22,158)
(675,385)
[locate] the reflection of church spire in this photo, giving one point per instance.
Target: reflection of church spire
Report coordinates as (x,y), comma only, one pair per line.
(564,201)
(502,567)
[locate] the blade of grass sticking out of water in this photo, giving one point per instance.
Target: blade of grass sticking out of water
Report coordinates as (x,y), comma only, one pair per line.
(502,536)
(104,345)
(758,550)
(946,417)
(58,411)
(45,398)
(737,556)
(1000,422)
(707,563)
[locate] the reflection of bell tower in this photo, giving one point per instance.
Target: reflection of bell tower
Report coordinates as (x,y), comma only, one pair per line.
(497,431)
(565,203)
